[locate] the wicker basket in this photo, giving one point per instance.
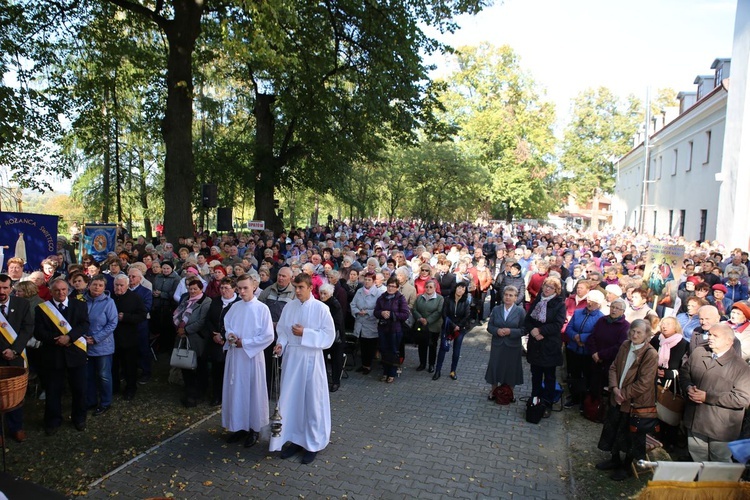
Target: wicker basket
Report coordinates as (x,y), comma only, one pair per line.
(13,382)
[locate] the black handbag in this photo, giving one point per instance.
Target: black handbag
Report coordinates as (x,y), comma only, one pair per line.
(535,409)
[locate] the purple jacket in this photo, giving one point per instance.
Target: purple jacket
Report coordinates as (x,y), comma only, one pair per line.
(606,339)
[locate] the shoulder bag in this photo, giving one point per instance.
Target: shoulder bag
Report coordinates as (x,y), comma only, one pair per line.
(669,405)
(183,356)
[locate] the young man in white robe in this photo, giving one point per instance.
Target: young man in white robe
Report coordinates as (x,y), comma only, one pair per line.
(249,330)
(304,329)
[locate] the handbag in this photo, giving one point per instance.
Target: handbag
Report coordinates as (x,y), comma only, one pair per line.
(669,405)
(535,409)
(640,422)
(184,357)
(594,408)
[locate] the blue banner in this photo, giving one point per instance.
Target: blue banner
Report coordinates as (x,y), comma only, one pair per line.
(32,237)
(99,240)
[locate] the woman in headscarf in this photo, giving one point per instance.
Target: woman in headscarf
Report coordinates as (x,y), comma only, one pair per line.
(544,327)
(632,411)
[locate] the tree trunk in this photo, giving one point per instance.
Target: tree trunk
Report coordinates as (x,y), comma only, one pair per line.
(265,163)
(106,166)
(177,126)
(509,213)
(143,197)
(118,169)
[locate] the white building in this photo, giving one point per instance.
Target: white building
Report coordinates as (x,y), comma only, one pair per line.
(697,174)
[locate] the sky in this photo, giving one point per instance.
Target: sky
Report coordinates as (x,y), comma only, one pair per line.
(627,46)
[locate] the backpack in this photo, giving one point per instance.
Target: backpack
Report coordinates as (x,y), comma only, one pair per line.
(503,394)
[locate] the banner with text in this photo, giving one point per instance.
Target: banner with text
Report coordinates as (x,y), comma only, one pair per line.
(32,237)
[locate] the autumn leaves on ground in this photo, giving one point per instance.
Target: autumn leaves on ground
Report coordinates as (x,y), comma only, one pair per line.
(70,460)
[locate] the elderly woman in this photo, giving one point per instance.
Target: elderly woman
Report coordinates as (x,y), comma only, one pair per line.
(188,319)
(578,358)
(391,310)
(672,349)
(428,317)
(336,351)
(739,319)
(506,326)
(365,322)
(632,411)
(456,316)
(544,326)
(101,343)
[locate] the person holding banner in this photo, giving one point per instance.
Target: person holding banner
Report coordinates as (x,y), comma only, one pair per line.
(16,327)
(60,325)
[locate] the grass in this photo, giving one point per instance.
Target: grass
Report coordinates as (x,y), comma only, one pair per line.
(70,460)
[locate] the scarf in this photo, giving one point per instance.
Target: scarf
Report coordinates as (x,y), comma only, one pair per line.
(540,310)
(629,362)
(228,301)
(367,291)
(184,310)
(665,344)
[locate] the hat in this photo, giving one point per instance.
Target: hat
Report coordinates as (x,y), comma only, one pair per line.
(719,286)
(693,279)
(194,268)
(614,290)
(595,296)
(214,263)
(742,306)
(168,263)
(220,268)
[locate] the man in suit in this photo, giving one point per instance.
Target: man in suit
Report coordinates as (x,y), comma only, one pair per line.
(60,325)
(135,276)
(17,327)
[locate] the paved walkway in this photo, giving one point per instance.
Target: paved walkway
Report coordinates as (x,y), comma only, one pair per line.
(416,438)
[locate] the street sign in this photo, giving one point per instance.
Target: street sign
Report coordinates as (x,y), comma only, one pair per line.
(257,225)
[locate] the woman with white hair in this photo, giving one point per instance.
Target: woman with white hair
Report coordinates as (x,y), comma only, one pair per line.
(578,358)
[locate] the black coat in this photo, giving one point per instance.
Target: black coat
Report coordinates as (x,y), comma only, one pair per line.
(548,351)
(215,323)
(447,282)
(502,280)
(457,313)
(19,316)
(337,313)
(45,331)
(130,304)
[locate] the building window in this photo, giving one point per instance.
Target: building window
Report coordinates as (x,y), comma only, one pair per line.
(682,223)
(671,221)
(689,157)
(704,219)
(708,147)
(661,165)
(652,170)
(718,78)
(674,167)
(656,213)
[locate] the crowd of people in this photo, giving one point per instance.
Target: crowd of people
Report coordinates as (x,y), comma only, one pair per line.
(562,298)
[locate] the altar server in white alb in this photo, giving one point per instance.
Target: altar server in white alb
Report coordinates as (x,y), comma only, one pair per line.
(304,329)
(249,330)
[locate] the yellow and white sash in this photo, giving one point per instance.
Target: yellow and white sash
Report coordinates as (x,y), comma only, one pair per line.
(53,313)
(10,335)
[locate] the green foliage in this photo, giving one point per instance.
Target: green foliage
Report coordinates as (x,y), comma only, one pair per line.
(600,131)
(505,124)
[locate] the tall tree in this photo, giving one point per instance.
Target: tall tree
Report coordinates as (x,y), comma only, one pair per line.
(600,130)
(505,124)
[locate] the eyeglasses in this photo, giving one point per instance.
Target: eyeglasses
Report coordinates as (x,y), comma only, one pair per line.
(424,270)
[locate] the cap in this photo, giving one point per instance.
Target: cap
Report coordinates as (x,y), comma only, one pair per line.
(614,290)
(595,296)
(719,286)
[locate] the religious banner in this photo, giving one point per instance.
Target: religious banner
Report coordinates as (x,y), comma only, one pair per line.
(663,271)
(31,237)
(99,240)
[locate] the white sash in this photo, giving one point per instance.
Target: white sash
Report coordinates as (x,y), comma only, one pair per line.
(54,314)
(10,335)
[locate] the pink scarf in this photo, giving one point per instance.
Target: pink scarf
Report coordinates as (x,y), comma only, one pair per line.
(665,345)
(184,310)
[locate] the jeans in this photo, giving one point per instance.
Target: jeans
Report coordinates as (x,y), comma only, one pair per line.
(546,373)
(99,381)
(456,353)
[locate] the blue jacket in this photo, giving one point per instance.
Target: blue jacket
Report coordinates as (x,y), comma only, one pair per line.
(582,323)
(736,292)
(103,321)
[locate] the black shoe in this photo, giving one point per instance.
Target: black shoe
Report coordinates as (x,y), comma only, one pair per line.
(80,426)
(420,368)
(547,412)
(436,376)
(608,465)
(216,402)
(309,457)
(236,436)
(491,397)
(144,379)
(570,403)
(366,371)
(431,369)
(620,474)
(290,451)
(334,387)
(453,376)
(251,439)
(128,396)
(360,369)
(100,411)
(51,431)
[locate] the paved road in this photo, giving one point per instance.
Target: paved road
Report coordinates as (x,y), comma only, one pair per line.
(416,438)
